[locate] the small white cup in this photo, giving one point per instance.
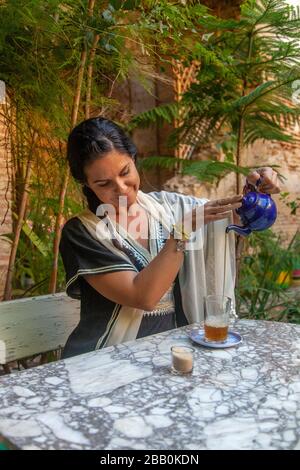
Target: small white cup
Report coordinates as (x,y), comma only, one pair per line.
(182,360)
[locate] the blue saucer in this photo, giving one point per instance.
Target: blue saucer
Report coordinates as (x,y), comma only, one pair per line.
(233,339)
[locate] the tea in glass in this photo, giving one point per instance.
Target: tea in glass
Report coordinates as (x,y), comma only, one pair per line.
(216,318)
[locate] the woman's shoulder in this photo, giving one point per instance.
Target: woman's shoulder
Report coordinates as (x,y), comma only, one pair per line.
(74,223)
(76,236)
(74,229)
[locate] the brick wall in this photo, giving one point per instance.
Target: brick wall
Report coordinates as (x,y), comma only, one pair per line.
(5,202)
(287,156)
(262,153)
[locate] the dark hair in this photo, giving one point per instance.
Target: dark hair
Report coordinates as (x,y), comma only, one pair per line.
(93,139)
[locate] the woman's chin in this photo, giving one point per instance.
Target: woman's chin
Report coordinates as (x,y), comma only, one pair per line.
(131,200)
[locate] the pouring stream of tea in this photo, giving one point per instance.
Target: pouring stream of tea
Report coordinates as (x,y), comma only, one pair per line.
(225,260)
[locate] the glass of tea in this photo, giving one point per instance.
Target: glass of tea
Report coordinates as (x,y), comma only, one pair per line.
(216,318)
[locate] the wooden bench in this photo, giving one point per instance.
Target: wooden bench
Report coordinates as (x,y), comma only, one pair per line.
(35,325)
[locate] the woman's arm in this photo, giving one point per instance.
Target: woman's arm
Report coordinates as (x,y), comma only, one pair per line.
(144,289)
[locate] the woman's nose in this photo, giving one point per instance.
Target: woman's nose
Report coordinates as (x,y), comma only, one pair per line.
(121,187)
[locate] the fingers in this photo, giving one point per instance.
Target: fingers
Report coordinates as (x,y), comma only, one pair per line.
(218,209)
(270,181)
(267,175)
(221,208)
(253,177)
(269,188)
(225,201)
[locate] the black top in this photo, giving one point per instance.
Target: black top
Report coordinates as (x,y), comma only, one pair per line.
(81,255)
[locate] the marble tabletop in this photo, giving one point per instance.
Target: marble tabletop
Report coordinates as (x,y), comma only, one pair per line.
(124,397)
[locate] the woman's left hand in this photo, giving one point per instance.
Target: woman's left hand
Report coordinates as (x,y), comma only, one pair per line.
(268,180)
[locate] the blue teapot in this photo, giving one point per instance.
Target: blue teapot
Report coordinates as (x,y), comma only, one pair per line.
(258,212)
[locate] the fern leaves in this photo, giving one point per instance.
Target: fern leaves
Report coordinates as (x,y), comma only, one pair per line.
(248,69)
(204,170)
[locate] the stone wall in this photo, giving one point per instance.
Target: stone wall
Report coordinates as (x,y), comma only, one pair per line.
(5,203)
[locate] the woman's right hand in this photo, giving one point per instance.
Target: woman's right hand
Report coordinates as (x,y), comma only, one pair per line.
(221,208)
(216,210)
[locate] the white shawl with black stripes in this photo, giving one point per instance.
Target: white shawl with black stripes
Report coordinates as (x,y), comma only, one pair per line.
(205,270)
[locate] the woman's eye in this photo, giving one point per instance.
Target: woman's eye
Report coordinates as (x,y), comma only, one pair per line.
(123,174)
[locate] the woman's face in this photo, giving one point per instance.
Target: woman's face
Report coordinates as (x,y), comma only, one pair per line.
(112,176)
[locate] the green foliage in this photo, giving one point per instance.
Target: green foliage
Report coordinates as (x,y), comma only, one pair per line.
(40,48)
(41,44)
(262,45)
(244,83)
(164,113)
(205,170)
(265,270)
(35,240)
(293,205)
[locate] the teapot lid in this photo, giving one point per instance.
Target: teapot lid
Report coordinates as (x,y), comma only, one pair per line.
(250,200)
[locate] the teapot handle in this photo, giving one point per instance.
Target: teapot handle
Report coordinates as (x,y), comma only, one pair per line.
(258,182)
(252,187)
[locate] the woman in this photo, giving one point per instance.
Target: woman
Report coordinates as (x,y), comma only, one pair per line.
(126,256)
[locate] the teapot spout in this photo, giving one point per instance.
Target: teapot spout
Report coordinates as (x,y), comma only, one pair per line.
(240,230)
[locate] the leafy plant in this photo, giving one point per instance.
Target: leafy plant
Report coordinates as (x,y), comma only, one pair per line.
(293,204)
(244,82)
(208,170)
(33,237)
(61,62)
(261,293)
